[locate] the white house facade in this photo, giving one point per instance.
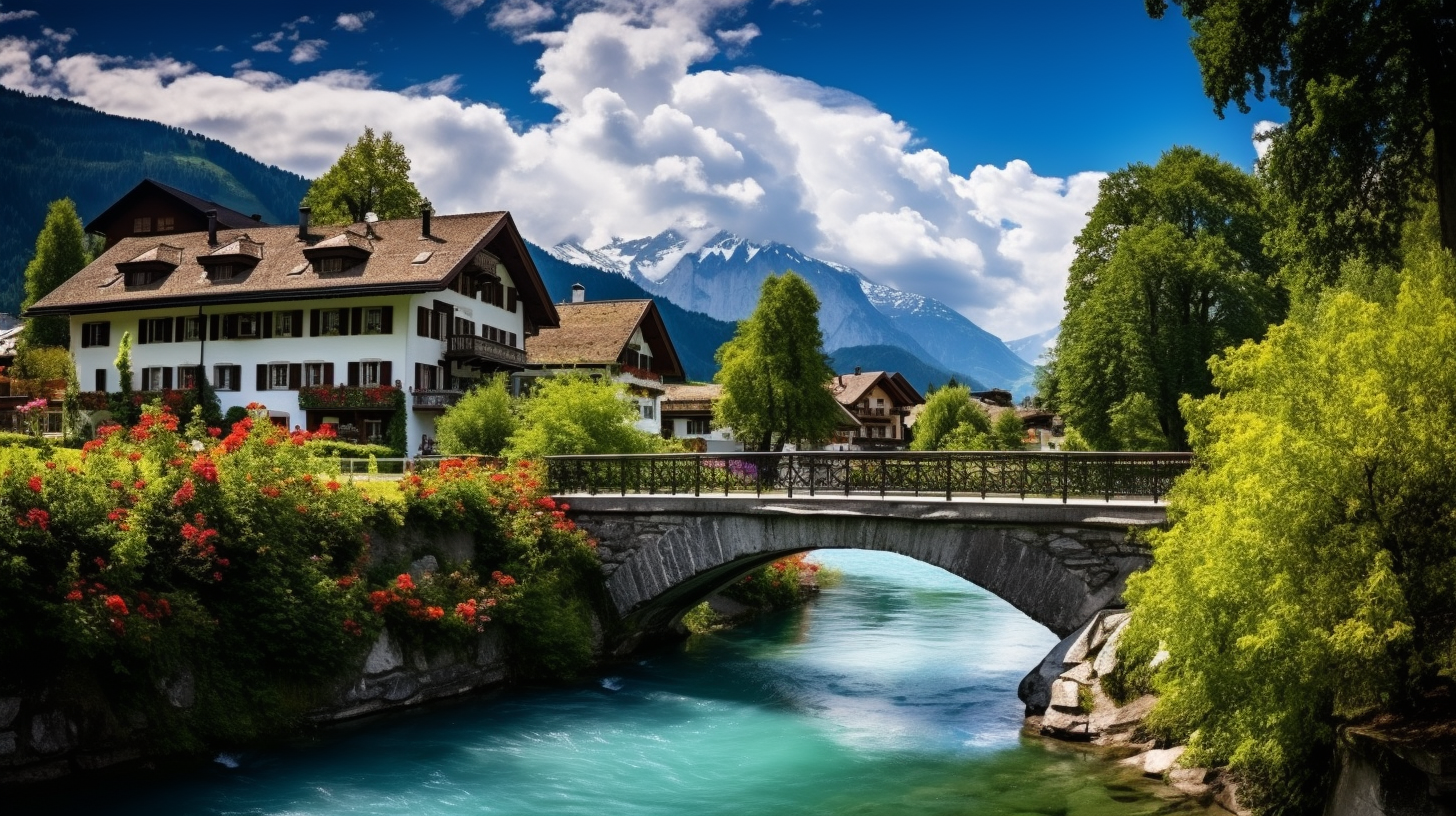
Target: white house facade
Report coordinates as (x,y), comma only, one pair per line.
(356,327)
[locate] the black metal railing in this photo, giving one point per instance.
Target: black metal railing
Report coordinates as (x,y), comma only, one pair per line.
(469,347)
(1022,474)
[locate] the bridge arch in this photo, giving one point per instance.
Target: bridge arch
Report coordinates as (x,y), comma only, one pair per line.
(1057,563)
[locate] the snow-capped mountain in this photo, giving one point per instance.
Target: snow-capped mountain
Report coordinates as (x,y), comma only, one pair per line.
(721,277)
(1031,347)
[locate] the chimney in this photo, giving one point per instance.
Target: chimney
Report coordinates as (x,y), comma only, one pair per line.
(856,371)
(841,380)
(425,218)
(578,293)
(304,213)
(212,227)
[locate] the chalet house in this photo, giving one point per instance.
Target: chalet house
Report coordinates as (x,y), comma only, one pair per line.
(881,401)
(152,209)
(687,414)
(349,326)
(624,340)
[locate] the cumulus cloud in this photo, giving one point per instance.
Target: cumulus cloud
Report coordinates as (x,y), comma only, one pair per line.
(737,39)
(1263,129)
(353,22)
(645,139)
(307,51)
(521,17)
(270,45)
(23,14)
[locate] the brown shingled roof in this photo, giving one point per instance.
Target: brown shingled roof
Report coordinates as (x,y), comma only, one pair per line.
(393,246)
(227,218)
(596,333)
(848,388)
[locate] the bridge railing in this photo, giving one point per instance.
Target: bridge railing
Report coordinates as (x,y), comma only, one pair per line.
(1022,474)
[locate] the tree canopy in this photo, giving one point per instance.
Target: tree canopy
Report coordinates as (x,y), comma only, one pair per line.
(371,176)
(774,371)
(1169,271)
(60,252)
(481,422)
(947,410)
(1372,128)
(574,414)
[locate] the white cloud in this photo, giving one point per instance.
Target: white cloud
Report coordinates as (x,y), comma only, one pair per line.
(738,39)
(645,139)
(1262,130)
(353,22)
(521,17)
(270,45)
(242,65)
(460,8)
(307,51)
(23,14)
(59,39)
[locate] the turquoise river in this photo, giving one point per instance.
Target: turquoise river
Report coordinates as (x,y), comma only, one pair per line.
(893,693)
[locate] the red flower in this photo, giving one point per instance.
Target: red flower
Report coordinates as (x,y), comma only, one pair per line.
(214,432)
(404,582)
(204,468)
(353,628)
(345,582)
(34,483)
(333,485)
(134,456)
(36,516)
(184,493)
(116,605)
(74,595)
(435,612)
(50,465)
(502,579)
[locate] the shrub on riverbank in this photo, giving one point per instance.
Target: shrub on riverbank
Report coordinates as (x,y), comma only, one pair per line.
(166,556)
(783,584)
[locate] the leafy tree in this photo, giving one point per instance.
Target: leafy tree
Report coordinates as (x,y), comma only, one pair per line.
(1007,431)
(60,252)
(1169,271)
(1309,575)
(123,409)
(946,411)
(39,364)
(774,371)
(371,176)
(481,422)
(1134,424)
(1369,88)
(575,414)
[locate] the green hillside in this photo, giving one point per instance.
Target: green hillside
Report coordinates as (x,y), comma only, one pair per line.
(52,148)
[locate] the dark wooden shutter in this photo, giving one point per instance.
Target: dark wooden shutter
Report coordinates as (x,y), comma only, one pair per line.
(213,322)
(262,376)
(353,374)
(229,326)
(422,320)
(142,332)
(85,335)
(179,330)
(237,377)
(419,375)
(386,322)
(356,321)
(167,330)
(386,373)
(295,376)
(297,322)
(511,299)
(167,378)
(267,325)
(313,322)
(101,380)
(328,373)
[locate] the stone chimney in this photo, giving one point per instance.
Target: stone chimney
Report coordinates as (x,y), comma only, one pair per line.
(212,227)
(856,371)
(425,213)
(304,214)
(578,293)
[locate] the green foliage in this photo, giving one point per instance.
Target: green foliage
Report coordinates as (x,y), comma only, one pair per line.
(348,450)
(774,371)
(120,403)
(945,411)
(60,252)
(1169,271)
(701,619)
(574,414)
(1133,424)
(1309,574)
(1371,128)
(481,422)
(371,176)
(782,584)
(40,364)
(1007,431)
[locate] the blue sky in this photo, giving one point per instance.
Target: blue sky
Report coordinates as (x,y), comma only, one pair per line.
(947,148)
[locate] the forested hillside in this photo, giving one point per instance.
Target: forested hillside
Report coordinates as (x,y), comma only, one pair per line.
(53,148)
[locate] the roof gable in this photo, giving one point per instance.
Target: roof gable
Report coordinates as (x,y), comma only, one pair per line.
(227,218)
(597,332)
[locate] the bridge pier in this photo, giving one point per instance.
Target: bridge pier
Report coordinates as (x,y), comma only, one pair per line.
(1060,563)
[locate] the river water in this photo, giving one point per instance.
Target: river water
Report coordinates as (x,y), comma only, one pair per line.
(893,693)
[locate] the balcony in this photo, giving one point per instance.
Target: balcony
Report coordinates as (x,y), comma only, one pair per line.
(866,412)
(371,397)
(480,353)
(424,400)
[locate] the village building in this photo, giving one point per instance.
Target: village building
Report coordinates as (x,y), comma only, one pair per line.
(153,209)
(359,327)
(687,414)
(880,401)
(621,340)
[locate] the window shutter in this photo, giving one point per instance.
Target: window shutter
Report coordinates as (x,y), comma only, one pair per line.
(353,374)
(167,378)
(297,322)
(387,320)
(229,326)
(179,329)
(328,373)
(356,321)
(85,335)
(511,299)
(262,376)
(167,330)
(267,324)
(237,377)
(419,375)
(295,376)
(142,327)
(212,326)
(386,373)
(101,380)
(422,321)
(313,322)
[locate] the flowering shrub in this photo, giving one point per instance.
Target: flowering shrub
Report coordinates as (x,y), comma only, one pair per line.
(350,396)
(784,583)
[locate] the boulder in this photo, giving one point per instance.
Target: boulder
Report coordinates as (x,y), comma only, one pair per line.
(1066,694)
(1080,673)
(1156,762)
(424,566)
(1064,724)
(1035,689)
(384,657)
(50,733)
(1106,660)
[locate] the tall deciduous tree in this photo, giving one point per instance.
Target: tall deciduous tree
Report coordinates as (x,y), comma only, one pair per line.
(774,371)
(945,411)
(60,252)
(572,414)
(1369,87)
(1169,271)
(371,176)
(481,422)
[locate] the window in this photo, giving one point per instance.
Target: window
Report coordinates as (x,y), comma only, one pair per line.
(226,377)
(101,379)
(427,377)
(278,376)
(374,320)
(331,322)
(141,225)
(649,410)
(165,223)
(699,427)
(373,430)
(145,277)
(327,265)
(247,324)
(186,376)
(283,324)
(96,334)
(318,373)
(152,378)
(191,329)
(154,330)
(222,272)
(369,373)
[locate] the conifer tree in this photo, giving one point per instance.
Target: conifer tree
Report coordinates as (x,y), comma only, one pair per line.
(60,252)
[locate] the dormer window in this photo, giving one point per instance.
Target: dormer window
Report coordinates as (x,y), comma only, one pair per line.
(151,266)
(222,272)
(232,260)
(329,265)
(340,253)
